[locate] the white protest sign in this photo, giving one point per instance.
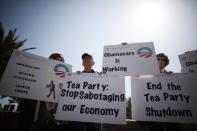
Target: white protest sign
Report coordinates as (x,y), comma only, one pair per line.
(33,77)
(164,98)
(130,59)
(93,98)
(188,61)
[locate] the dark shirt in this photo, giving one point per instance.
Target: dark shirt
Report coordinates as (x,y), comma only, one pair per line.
(92,71)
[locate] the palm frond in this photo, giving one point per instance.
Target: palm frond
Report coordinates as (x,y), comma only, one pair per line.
(1,33)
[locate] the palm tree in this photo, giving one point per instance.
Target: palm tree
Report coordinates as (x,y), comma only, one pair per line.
(7,44)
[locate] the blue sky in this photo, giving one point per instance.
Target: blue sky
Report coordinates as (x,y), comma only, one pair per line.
(73,27)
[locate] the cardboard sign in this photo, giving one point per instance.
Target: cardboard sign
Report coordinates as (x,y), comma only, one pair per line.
(188,61)
(33,77)
(93,98)
(130,59)
(164,98)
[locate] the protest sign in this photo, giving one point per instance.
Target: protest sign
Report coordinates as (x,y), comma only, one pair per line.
(188,61)
(164,98)
(93,98)
(130,59)
(33,77)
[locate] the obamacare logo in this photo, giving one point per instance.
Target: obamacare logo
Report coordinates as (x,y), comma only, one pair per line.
(60,70)
(144,52)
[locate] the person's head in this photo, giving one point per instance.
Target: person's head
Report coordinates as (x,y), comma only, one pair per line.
(163,60)
(88,61)
(57,57)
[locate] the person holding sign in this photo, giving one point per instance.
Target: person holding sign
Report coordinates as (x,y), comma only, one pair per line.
(163,61)
(50,105)
(88,62)
(57,57)
(47,109)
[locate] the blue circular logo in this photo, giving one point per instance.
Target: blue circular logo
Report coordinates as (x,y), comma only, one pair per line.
(59,72)
(145,52)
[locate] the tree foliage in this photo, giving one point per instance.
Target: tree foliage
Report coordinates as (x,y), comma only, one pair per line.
(8,43)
